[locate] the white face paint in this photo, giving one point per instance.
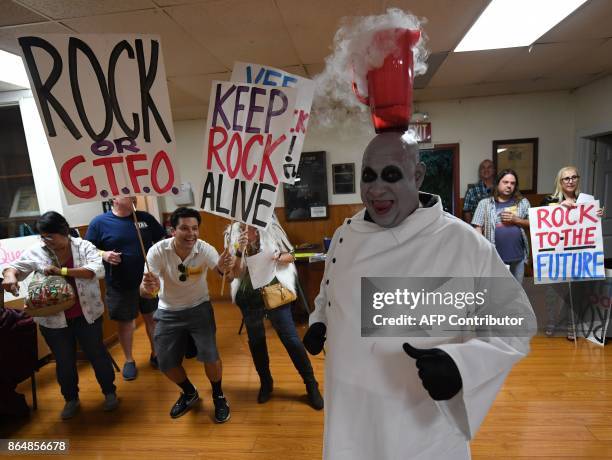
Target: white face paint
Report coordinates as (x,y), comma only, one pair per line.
(390,179)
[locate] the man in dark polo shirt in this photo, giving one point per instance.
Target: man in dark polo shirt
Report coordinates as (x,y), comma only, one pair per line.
(114,233)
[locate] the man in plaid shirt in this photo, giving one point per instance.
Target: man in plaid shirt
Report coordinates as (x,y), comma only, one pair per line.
(476,192)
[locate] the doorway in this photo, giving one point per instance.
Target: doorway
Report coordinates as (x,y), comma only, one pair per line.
(442,175)
(596,172)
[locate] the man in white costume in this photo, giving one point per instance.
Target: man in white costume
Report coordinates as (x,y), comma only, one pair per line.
(379,402)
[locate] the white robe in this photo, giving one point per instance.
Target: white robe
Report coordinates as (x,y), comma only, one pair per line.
(375,404)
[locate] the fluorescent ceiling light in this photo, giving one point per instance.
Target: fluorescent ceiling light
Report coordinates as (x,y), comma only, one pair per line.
(512,23)
(12,70)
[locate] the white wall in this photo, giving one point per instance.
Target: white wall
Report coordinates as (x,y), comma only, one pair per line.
(46,180)
(473,123)
(189,147)
(593,108)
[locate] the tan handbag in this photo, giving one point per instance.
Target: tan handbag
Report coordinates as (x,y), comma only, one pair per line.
(276,295)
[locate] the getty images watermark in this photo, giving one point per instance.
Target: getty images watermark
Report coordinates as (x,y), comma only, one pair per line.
(444,307)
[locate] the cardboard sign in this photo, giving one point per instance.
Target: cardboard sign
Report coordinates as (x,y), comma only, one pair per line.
(103,100)
(269,76)
(567,243)
(246,142)
(11,249)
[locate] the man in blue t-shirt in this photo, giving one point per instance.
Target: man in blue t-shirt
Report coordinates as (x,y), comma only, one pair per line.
(115,234)
(503,219)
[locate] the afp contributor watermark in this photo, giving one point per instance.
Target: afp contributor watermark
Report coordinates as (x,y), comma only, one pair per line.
(444,307)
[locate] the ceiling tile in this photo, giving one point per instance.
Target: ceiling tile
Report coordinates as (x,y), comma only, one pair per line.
(14,14)
(296,70)
(313,24)
(182,55)
(315,69)
(8,35)
(62,9)
(593,63)
(591,20)
(447,20)
(196,86)
(178,2)
(499,88)
(544,60)
(239,30)
(472,67)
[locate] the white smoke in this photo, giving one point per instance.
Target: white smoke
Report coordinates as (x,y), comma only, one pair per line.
(353,56)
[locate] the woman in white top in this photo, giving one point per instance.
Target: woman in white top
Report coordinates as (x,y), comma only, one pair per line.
(81,264)
(249,241)
(567,193)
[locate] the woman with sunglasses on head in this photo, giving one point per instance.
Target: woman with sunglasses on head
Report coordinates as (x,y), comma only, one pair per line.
(567,193)
(81,264)
(248,241)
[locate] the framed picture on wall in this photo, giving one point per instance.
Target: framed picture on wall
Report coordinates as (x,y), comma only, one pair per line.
(521,155)
(343,175)
(307,198)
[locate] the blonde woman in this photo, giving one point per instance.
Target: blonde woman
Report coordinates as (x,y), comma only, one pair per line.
(567,193)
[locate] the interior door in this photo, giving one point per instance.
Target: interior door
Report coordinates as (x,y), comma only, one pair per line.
(603,188)
(442,174)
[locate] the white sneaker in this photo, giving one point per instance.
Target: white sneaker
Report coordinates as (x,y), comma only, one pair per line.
(111,402)
(70,409)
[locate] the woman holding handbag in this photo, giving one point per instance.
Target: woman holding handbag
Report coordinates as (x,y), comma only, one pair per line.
(272,301)
(64,297)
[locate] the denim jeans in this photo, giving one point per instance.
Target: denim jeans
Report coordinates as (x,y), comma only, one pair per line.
(253,312)
(518,270)
(63,344)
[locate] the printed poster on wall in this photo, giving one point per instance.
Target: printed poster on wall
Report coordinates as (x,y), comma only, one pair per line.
(103,101)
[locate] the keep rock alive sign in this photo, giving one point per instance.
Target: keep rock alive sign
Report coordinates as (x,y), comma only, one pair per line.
(246,142)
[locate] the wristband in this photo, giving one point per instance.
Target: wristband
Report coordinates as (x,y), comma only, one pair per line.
(238,253)
(219,271)
(64,271)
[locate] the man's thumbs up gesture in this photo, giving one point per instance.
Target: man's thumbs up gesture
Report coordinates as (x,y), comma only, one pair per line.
(437,371)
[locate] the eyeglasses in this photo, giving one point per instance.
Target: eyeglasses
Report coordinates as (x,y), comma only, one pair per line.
(184,272)
(569,179)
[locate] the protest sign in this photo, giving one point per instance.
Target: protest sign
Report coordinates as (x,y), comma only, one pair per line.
(269,76)
(11,250)
(246,142)
(567,243)
(104,104)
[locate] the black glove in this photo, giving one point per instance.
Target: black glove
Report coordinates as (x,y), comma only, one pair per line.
(437,370)
(315,338)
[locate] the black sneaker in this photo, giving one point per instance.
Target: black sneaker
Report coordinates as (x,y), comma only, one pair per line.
(183,404)
(222,410)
